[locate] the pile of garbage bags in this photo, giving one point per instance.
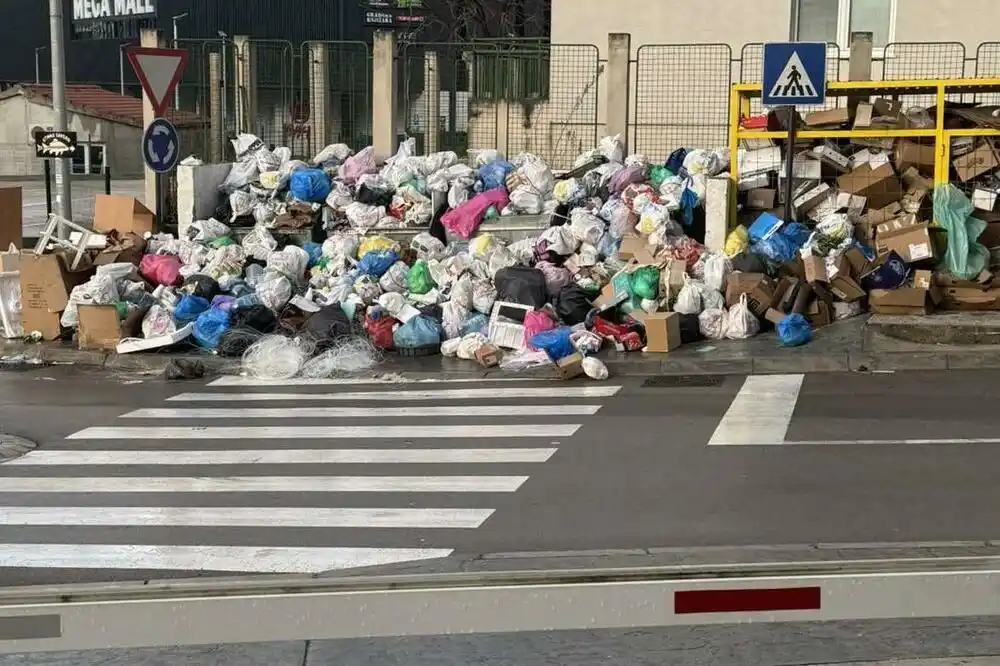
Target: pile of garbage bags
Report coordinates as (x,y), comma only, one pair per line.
(303,256)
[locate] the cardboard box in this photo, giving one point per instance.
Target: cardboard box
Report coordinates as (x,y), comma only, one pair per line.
(122,213)
(634,247)
(888,108)
(45,285)
(829,117)
(819,313)
(985,198)
(663,330)
(761,198)
(913,243)
(616,291)
(759,288)
(879,186)
(815,268)
(753,182)
(811,198)
(923,279)
(122,248)
(912,154)
(832,158)
(843,285)
(878,216)
(774,316)
(489,356)
(672,272)
(857,260)
(760,161)
(100,327)
(905,300)
(895,224)
(971,299)
(914,199)
(863,115)
(570,366)
(980,161)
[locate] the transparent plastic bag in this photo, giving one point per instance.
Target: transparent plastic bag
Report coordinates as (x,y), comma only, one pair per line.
(689,298)
(742,323)
(713,323)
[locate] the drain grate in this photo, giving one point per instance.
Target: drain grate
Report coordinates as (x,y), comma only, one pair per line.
(12,446)
(683,381)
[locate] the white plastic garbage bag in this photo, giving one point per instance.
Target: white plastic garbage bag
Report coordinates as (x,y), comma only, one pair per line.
(367,288)
(395,279)
(259,243)
(290,261)
(437,162)
(469,345)
(713,323)
(594,368)
(501,257)
(336,152)
(157,321)
(449,348)
(462,292)
(585,226)
(452,316)
(688,298)
(362,216)
(427,246)
(612,147)
(742,324)
(340,196)
(561,240)
(274,290)
(711,299)
(716,268)
(241,175)
(483,295)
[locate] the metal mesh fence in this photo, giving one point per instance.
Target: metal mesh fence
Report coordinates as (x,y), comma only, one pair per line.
(340,111)
(266,89)
(681,97)
(552,97)
(194,89)
(923,60)
(988,65)
(437,97)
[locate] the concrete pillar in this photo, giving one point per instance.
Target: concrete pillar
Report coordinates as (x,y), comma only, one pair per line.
(246,84)
(384,94)
(503,127)
(150,39)
(319,96)
(215,107)
(432,95)
(859,67)
(616,87)
(717,193)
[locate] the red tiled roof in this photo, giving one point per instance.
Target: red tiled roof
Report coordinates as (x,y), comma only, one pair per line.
(101,103)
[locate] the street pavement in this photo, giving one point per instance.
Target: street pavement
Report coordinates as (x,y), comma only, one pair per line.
(137,478)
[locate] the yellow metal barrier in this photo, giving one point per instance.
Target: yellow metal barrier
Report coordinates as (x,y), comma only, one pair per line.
(742,93)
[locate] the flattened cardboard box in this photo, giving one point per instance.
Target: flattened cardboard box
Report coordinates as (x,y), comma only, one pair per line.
(914,243)
(879,186)
(971,299)
(121,213)
(980,161)
(759,288)
(761,199)
(905,300)
(45,285)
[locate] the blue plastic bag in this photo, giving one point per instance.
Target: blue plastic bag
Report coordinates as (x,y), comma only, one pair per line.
(188,308)
(475,322)
(494,174)
(315,252)
(377,262)
(420,331)
(554,342)
(794,330)
(310,185)
(783,243)
(209,327)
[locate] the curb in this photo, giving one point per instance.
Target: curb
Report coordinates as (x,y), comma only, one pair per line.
(635,364)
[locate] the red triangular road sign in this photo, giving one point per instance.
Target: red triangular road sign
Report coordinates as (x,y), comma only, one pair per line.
(158,70)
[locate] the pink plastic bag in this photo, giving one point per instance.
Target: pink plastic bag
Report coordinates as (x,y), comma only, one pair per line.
(625,177)
(358,165)
(161,269)
(466,218)
(556,277)
(536,321)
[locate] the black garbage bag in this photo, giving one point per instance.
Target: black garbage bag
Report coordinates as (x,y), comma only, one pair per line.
(436,228)
(258,318)
(182,368)
(520,284)
(434,311)
(573,304)
(373,197)
(202,286)
(690,331)
(748,262)
(326,326)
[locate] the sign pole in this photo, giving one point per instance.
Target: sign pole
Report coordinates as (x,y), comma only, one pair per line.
(791,119)
(64,201)
(158,222)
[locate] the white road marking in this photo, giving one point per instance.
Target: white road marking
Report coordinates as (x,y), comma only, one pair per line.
(332,381)
(252,559)
(264,484)
(45,457)
(425,412)
(329,432)
(406,396)
(215,516)
(760,413)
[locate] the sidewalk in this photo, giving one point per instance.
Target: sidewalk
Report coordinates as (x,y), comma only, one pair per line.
(848,346)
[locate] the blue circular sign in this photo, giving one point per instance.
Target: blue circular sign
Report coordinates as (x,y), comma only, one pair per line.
(161,147)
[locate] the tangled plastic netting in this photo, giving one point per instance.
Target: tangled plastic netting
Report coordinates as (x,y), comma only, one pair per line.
(276,357)
(280,357)
(349,354)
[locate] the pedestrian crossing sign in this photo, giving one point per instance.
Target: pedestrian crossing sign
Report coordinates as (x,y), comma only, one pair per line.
(794,73)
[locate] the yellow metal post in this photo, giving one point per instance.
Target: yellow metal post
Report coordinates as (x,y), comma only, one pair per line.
(735,109)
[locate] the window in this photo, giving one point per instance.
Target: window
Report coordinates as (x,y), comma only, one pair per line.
(835,20)
(89,159)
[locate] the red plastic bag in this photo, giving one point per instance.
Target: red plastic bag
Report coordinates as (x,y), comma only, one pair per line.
(380,331)
(464,219)
(627,337)
(536,321)
(162,269)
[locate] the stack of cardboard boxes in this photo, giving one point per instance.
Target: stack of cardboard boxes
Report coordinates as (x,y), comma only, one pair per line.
(885,185)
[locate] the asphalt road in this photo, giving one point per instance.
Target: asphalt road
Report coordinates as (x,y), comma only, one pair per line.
(199,480)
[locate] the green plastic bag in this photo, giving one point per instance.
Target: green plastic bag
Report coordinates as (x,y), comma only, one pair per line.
(492,213)
(644,282)
(965,258)
(418,279)
(222,241)
(657,174)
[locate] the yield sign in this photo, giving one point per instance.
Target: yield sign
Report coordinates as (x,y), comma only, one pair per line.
(158,71)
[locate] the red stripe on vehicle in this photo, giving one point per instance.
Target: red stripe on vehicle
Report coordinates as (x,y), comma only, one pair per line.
(736,601)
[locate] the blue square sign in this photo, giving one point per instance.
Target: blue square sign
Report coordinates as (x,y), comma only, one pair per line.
(794,73)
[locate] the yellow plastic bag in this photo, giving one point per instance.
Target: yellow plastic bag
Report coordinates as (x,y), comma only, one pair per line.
(481,245)
(737,241)
(372,243)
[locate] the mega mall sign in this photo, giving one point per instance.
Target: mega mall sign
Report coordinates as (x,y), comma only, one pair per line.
(97,10)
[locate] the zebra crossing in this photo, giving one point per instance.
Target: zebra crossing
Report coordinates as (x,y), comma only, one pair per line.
(294,476)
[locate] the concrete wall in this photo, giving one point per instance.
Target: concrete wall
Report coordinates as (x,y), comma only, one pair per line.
(17,156)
